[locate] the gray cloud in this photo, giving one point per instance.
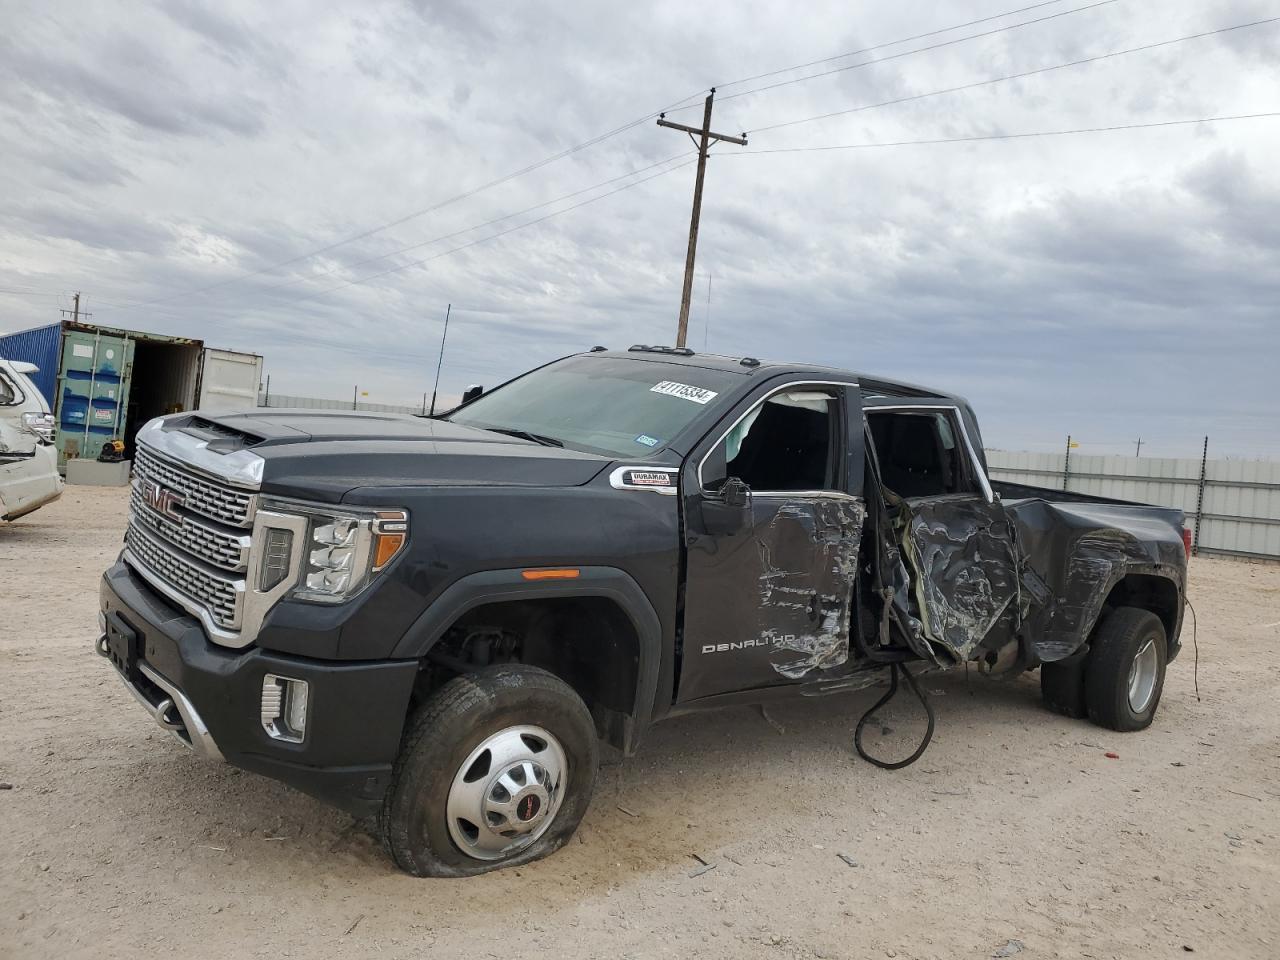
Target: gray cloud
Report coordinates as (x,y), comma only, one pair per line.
(1106,286)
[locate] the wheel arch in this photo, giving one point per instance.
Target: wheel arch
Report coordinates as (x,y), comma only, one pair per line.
(1149,591)
(602,614)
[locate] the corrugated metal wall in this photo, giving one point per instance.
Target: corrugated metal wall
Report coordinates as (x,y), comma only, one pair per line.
(38,346)
(1239,515)
(313,403)
(171,371)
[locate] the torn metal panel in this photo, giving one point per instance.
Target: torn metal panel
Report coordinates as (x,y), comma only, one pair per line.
(808,568)
(965,572)
(899,580)
(1073,553)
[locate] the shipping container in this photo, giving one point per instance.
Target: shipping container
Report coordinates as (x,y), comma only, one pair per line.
(104,383)
(41,346)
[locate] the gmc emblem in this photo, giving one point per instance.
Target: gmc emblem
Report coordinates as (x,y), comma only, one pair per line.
(162,501)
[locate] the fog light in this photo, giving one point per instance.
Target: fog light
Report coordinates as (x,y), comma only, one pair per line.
(284,708)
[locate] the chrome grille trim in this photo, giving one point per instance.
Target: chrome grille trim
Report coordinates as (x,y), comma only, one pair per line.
(209,498)
(219,548)
(221,596)
(207,563)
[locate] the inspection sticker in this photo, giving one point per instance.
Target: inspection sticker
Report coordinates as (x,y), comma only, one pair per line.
(684,391)
(647,440)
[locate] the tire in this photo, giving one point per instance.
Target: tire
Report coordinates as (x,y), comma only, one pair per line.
(1125,635)
(504,726)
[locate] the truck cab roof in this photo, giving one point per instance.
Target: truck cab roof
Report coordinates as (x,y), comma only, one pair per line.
(876,390)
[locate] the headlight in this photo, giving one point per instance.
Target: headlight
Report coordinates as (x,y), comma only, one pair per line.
(342,552)
(41,424)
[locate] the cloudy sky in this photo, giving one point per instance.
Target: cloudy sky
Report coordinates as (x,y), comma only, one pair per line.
(315,182)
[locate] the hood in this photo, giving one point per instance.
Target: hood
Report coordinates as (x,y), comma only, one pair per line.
(322,454)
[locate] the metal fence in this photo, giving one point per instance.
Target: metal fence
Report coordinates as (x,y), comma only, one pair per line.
(314,403)
(1232,506)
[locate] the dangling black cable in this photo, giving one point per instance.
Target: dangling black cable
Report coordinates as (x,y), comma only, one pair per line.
(893,689)
(1195,625)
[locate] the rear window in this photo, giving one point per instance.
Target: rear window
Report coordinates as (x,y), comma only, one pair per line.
(606,405)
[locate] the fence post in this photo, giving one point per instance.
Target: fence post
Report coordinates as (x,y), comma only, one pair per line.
(1066,464)
(1204,460)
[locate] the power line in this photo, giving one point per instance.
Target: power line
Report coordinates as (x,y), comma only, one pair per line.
(1010,136)
(568,151)
(467,194)
(1016,76)
(480,240)
(479,226)
(502,233)
(881,46)
(908,53)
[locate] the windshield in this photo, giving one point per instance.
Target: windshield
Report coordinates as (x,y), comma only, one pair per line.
(625,408)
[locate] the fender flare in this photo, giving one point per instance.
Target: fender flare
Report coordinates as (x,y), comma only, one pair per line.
(499,586)
(1093,614)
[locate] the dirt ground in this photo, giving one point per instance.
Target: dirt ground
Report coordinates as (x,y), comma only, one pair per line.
(115,841)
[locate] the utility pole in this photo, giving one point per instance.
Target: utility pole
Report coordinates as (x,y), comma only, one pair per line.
(1138,452)
(703,140)
(75,313)
(440,363)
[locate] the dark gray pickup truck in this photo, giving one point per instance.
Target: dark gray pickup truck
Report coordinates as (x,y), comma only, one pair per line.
(435,621)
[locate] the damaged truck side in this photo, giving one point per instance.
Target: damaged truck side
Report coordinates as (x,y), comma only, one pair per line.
(436,620)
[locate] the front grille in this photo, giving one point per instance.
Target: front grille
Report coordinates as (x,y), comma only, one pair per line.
(220,548)
(197,544)
(218,594)
(209,498)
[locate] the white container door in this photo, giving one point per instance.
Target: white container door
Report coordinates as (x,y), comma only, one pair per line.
(229,381)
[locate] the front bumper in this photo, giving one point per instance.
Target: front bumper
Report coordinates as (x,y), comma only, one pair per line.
(210,698)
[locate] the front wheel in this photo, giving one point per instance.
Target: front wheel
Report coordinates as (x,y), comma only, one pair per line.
(496,769)
(1125,673)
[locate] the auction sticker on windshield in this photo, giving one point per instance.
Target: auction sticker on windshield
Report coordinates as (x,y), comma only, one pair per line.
(684,391)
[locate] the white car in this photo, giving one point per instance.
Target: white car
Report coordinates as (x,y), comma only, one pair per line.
(28,458)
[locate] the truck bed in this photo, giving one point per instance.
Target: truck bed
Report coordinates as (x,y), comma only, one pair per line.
(1022,491)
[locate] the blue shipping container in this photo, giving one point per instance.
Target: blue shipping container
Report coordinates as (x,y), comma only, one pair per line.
(41,346)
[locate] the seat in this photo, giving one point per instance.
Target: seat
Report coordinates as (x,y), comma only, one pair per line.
(912,460)
(786,449)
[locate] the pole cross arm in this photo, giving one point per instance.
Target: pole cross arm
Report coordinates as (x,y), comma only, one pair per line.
(741,141)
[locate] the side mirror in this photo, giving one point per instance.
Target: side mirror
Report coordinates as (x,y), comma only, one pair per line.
(471,393)
(727,511)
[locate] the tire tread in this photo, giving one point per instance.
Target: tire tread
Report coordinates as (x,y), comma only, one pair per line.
(1106,676)
(463,695)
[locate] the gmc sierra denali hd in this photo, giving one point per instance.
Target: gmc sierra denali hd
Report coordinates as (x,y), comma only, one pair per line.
(436,620)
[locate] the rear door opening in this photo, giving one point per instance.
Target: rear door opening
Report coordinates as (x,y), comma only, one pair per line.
(954,535)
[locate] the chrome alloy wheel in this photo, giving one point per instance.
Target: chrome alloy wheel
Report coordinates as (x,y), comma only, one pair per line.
(1142,677)
(507,792)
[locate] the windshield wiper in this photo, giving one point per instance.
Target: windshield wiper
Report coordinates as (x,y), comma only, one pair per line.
(526,435)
